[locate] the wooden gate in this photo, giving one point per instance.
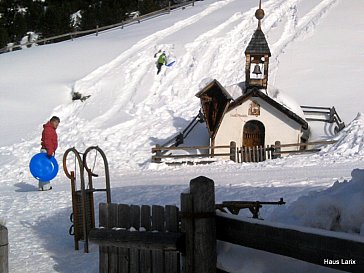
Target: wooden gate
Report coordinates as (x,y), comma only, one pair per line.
(139,218)
(255,153)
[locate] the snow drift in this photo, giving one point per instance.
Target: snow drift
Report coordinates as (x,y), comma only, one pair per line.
(338,208)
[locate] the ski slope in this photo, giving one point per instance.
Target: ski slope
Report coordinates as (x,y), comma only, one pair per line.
(131,109)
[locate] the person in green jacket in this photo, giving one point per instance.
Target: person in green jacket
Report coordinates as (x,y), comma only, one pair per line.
(162,60)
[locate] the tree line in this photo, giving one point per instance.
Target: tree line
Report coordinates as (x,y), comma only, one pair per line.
(53,17)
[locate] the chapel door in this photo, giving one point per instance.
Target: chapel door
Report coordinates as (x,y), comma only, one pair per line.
(253,134)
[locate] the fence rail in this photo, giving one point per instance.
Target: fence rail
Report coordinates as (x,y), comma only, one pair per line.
(305,244)
(306,144)
(96,30)
(160,152)
(237,154)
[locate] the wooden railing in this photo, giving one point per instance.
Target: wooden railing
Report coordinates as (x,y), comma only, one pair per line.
(236,154)
(302,147)
(160,152)
(122,24)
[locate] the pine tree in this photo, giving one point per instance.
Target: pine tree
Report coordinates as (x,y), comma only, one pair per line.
(53,17)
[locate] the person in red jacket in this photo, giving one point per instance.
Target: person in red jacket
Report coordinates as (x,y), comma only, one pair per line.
(49,145)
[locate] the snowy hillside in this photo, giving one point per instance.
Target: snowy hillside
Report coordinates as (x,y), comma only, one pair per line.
(130,109)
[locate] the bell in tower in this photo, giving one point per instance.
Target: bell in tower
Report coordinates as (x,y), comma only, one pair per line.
(257,70)
(257,57)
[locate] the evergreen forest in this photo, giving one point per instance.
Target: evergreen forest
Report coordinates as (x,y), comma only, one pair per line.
(48,18)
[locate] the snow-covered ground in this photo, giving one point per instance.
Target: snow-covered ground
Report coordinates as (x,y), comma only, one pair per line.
(316,55)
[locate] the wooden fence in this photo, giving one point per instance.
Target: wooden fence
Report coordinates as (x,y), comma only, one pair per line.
(4,250)
(236,154)
(211,151)
(122,24)
(121,234)
(130,251)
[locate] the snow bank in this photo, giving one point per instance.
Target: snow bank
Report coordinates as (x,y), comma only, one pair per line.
(338,208)
(350,141)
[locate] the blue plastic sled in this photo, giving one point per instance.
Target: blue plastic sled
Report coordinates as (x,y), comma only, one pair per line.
(43,168)
(170,64)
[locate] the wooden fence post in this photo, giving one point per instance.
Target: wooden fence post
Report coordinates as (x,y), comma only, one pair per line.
(233,151)
(198,222)
(277,149)
(4,250)
(157,154)
(97,30)
(103,250)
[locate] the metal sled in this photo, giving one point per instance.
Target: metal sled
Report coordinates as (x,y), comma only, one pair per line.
(83,207)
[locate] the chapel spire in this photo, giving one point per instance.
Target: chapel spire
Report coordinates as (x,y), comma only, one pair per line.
(257,56)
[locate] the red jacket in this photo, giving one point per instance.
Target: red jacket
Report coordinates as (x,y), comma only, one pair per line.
(49,138)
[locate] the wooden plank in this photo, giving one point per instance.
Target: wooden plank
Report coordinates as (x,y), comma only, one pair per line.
(123,222)
(315,107)
(189,155)
(134,252)
(262,153)
(4,250)
(113,251)
(307,143)
(188,228)
(203,162)
(161,148)
(203,192)
(250,157)
(158,225)
(245,154)
(170,241)
(172,218)
(158,218)
(103,251)
(145,255)
(145,217)
(303,245)
(297,152)
(172,261)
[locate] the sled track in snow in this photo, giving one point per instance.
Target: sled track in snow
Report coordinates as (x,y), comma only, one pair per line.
(130,105)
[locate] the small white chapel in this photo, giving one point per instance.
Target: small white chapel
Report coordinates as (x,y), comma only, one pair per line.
(247,114)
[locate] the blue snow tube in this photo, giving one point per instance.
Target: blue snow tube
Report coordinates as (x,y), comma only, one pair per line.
(43,168)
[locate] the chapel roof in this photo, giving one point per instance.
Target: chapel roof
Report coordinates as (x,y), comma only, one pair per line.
(255,92)
(258,44)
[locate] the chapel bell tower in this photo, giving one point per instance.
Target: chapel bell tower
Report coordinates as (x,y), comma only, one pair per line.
(257,57)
